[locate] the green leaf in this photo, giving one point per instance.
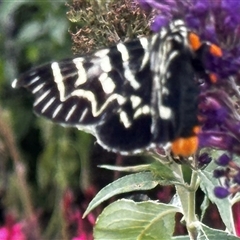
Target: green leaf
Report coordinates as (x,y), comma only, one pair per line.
(30,32)
(8,8)
(127,220)
(204,206)
(137,168)
(57,27)
(209,234)
(207,184)
(206,233)
(165,173)
(215,234)
(129,183)
(180,238)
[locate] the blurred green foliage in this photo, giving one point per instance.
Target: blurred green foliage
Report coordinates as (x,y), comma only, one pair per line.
(32,33)
(55,159)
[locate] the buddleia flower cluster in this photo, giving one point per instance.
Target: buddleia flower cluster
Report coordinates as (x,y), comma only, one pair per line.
(217,22)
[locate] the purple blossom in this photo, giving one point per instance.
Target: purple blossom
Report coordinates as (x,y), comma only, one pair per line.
(223,160)
(204,159)
(221,192)
(218,22)
(158,23)
(219,173)
(229,171)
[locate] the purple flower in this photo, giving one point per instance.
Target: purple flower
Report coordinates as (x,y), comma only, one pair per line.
(158,23)
(229,171)
(204,159)
(221,192)
(217,173)
(223,160)
(219,23)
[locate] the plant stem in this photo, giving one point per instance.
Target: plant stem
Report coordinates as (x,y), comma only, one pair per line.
(192,197)
(9,140)
(187,197)
(20,169)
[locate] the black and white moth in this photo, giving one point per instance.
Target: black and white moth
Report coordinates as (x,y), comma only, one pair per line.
(132,97)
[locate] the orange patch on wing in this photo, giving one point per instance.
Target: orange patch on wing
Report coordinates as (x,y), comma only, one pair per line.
(213,77)
(215,50)
(185,146)
(194,41)
(197,129)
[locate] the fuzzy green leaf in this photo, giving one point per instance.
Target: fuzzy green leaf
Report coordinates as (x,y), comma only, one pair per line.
(207,184)
(127,220)
(215,234)
(129,183)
